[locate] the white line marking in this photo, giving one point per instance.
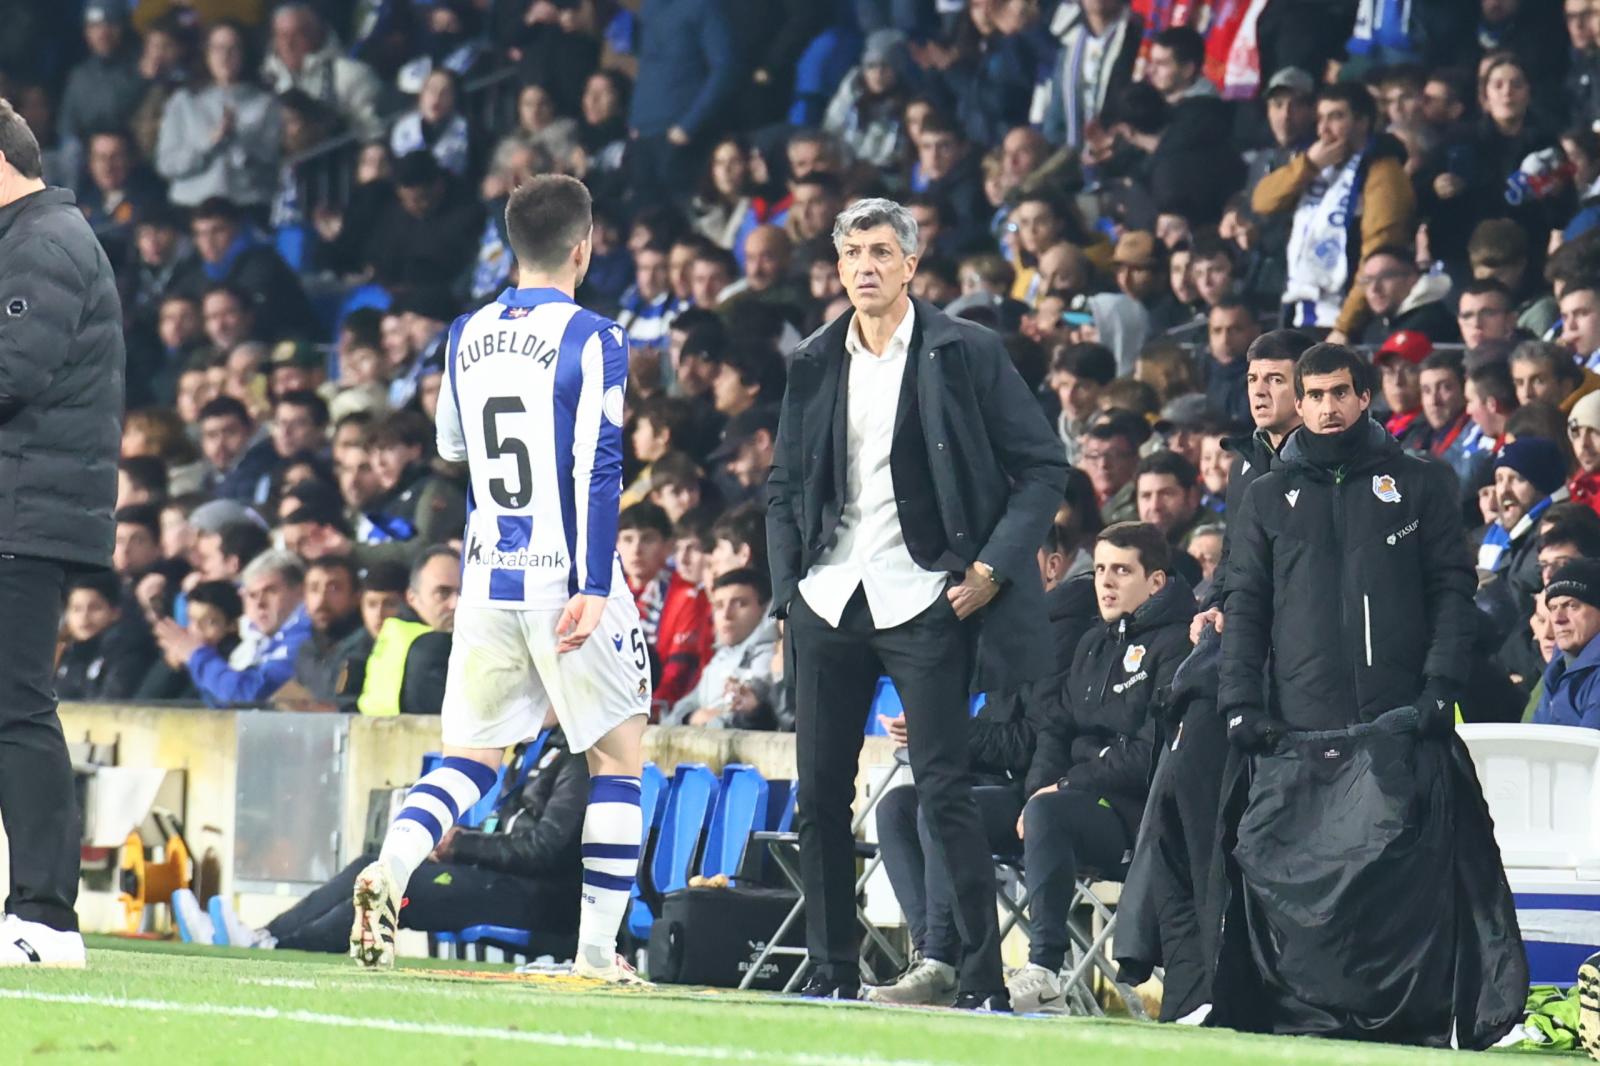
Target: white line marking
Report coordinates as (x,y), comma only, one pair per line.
(277,982)
(468,1032)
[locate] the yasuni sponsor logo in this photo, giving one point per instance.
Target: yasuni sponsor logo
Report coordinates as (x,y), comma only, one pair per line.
(1404,532)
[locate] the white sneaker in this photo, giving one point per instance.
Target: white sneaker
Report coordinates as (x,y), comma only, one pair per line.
(193,925)
(1036,990)
(377,901)
(620,972)
(232,930)
(1197,1016)
(928,982)
(32,944)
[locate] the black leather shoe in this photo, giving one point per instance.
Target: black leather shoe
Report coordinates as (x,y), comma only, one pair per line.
(985,1002)
(821,986)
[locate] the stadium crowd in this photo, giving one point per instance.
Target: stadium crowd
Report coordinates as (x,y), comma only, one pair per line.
(300,198)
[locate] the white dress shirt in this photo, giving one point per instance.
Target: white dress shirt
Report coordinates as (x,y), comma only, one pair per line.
(870,550)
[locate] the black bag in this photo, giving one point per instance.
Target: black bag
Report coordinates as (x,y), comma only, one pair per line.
(710,936)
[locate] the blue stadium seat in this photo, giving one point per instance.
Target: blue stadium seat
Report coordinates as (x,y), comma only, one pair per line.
(652,800)
(741,810)
(886,701)
(690,799)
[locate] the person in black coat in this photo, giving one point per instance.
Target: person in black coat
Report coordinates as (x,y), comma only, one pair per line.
(521,870)
(912,481)
(1003,742)
(1088,781)
(61,371)
(231,254)
(1350,591)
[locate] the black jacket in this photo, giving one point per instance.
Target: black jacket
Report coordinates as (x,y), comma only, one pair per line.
(1005,734)
(61,368)
(538,827)
(1359,587)
(1254,457)
(1119,687)
(995,467)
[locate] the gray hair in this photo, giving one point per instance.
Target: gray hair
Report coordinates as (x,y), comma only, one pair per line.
(877,211)
(275,561)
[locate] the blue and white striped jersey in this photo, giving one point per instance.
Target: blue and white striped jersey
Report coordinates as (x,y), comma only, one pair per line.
(532,402)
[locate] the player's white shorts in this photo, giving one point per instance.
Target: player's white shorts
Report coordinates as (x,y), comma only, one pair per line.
(505,675)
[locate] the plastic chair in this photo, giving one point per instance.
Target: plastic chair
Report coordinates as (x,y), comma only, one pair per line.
(886,701)
(686,806)
(1542,784)
(741,810)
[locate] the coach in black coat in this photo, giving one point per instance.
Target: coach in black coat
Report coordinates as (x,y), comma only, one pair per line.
(61,367)
(913,480)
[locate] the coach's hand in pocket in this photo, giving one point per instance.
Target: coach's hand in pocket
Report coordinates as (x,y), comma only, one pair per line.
(973,594)
(578,619)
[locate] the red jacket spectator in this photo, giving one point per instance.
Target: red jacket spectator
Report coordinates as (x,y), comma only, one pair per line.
(677,626)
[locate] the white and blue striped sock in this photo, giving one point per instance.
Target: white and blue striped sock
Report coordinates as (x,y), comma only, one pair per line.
(433,805)
(612,830)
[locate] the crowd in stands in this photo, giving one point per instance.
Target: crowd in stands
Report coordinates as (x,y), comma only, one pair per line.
(300,197)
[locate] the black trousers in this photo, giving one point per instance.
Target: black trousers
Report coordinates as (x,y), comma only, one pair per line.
(922,887)
(1064,834)
(38,800)
(929,659)
(442,897)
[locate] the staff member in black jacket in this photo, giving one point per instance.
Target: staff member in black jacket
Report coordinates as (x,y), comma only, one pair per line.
(1350,590)
(521,871)
(61,367)
(913,480)
(1089,779)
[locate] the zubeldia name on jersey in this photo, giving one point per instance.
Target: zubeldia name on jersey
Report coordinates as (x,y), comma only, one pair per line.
(507,342)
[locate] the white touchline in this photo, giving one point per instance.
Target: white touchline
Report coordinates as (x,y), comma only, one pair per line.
(466,1032)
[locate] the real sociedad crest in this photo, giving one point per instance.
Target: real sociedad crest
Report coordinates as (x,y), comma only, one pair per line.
(1132,658)
(1384,488)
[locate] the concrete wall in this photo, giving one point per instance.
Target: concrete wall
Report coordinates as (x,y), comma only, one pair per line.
(382,753)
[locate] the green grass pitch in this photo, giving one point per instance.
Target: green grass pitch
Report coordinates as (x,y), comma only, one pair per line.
(142,1002)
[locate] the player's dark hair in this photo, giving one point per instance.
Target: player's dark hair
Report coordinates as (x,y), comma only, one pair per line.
(1146,541)
(645,517)
(746,576)
(1330,359)
(546,217)
(1168,463)
(18,144)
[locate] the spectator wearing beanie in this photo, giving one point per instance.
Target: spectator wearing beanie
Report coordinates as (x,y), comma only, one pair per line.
(1572,680)
(1529,476)
(1583,431)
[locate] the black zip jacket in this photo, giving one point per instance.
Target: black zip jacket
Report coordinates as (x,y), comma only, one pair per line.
(539,827)
(1254,457)
(1120,683)
(1357,583)
(1005,734)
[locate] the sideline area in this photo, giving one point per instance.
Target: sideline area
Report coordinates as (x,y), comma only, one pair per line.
(144,1002)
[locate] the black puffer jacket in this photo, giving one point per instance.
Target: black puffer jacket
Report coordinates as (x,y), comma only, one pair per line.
(1359,586)
(538,828)
(1254,457)
(61,367)
(1005,735)
(1120,683)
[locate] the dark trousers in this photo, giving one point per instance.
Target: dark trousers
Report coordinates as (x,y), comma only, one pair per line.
(836,671)
(923,887)
(1064,835)
(660,172)
(441,897)
(38,800)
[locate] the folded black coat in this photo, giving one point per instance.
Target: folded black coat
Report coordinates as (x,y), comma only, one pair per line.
(1362,893)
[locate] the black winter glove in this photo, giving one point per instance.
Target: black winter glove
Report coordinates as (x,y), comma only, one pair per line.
(1436,708)
(1253,732)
